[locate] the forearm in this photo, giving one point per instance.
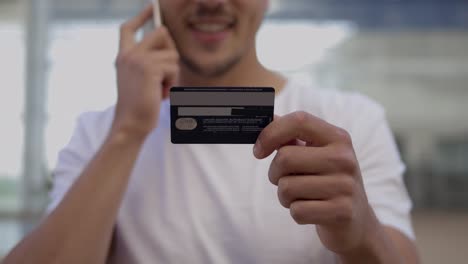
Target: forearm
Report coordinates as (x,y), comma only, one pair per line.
(378,249)
(382,245)
(79,230)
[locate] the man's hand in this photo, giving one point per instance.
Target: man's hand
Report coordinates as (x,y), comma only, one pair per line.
(145,72)
(80,228)
(319,180)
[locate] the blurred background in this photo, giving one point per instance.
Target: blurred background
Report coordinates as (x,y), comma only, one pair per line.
(56,61)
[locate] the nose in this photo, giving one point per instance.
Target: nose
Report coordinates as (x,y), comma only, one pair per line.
(211,3)
(211,6)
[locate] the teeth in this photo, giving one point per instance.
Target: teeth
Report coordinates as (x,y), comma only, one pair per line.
(210,28)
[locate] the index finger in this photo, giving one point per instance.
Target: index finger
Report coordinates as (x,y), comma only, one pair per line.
(297,125)
(130,27)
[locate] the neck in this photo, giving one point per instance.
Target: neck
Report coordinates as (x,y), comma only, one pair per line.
(247,72)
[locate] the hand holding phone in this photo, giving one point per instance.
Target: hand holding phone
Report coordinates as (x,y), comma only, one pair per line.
(146,70)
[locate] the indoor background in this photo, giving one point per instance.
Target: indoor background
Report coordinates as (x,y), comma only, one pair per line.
(56,61)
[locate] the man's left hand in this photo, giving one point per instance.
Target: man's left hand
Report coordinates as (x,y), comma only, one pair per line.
(319,179)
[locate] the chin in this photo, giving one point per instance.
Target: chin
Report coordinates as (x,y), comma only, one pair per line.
(213,69)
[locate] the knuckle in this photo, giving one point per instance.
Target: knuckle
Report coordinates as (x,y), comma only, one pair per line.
(343,136)
(272,174)
(300,116)
(344,214)
(282,159)
(124,27)
(298,213)
(284,192)
(350,163)
(163,30)
(348,186)
(161,34)
(126,57)
(120,59)
(345,160)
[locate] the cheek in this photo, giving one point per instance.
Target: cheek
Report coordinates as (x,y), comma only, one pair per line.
(257,6)
(170,8)
(255,10)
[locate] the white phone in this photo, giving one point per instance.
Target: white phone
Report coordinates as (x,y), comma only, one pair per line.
(156,13)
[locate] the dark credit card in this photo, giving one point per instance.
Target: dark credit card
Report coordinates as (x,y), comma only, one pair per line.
(220,115)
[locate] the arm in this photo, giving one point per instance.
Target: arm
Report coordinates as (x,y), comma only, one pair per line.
(80,228)
(384,245)
(403,245)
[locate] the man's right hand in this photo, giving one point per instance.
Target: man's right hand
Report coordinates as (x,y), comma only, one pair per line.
(80,228)
(145,72)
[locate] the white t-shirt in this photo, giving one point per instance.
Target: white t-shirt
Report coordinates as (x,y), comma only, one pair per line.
(215,204)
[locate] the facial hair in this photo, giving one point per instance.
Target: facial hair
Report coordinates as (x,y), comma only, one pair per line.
(216,70)
(222,67)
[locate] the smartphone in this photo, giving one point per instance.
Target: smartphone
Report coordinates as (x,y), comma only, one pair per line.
(156,13)
(157,19)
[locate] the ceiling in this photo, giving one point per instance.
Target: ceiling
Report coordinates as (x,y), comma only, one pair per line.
(380,13)
(373,14)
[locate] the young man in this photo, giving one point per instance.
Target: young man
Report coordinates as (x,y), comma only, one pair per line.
(124,194)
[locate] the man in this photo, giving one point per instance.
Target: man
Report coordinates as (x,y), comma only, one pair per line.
(124,194)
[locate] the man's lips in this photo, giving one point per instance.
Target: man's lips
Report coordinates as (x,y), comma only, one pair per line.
(210,32)
(210,27)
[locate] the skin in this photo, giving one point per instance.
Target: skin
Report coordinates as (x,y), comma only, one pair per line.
(319,181)
(80,229)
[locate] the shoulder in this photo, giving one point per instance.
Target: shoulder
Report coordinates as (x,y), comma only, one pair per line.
(351,108)
(97,119)
(341,108)
(92,127)
(354,112)
(90,131)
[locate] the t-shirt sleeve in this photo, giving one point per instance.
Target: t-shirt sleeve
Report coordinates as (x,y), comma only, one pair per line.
(72,160)
(381,167)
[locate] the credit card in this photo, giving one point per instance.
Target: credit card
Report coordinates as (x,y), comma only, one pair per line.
(220,115)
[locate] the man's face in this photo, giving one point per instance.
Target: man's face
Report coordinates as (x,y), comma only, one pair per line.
(213,35)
